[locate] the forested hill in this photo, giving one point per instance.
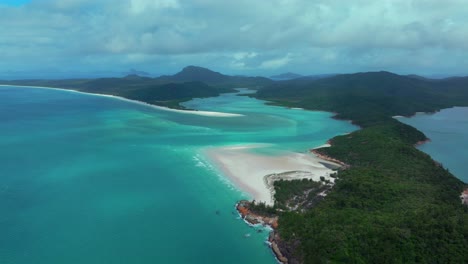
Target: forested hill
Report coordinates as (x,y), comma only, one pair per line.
(191,82)
(394,204)
(369,98)
(144,89)
(195,73)
(286,76)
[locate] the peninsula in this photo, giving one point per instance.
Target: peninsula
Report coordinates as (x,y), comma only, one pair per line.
(394,204)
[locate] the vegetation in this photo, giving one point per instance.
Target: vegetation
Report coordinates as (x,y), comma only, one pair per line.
(191,82)
(394,204)
(194,73)
(369,98)
(291,195)
(286,76)
(298,194)
(262,209)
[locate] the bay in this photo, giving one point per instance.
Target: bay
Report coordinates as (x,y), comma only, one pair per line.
(92,179)
(448,134)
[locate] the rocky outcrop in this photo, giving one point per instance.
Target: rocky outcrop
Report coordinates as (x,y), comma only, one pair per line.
(244,208)
(422,142)
(464,197)
(274,240)
(254,218)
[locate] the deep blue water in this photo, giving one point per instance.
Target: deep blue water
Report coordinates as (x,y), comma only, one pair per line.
(448,131)
(90,179)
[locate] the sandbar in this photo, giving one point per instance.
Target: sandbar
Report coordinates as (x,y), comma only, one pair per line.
(192,112)
(254,173)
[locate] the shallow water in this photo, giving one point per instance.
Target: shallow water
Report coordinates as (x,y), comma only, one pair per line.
(448,131)
(90,179)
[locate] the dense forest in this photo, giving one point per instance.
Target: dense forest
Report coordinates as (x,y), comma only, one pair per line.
(394,204)
(369,98)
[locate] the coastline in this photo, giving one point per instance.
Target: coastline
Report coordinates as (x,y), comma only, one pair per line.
(326,158)
(253,218)
(255,174)
(280,249)
(422,142)
(201,113)
(263,170)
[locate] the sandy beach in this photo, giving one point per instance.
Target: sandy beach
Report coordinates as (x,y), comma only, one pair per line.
(255,173)
(202,113)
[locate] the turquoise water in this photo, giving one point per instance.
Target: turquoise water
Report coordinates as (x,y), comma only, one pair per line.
(90,179)
(448,131)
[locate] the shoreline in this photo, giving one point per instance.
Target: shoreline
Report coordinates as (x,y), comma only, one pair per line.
(252,219)
(261,173)
(328,158)
(422,142)
(196,112)
(279,248)
(255,174)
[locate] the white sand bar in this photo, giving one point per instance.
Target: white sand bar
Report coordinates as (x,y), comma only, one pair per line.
(254,173)
(191,112)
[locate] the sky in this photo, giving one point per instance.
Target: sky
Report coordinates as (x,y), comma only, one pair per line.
(70,38)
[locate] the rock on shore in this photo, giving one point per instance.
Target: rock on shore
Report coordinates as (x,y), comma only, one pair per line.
(253,218)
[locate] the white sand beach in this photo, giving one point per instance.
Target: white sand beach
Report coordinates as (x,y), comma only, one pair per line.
(191,112)
(255,173)
(326,145)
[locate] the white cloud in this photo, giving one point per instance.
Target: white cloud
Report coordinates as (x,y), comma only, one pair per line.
(139,6)
(244,55)
(276,63)
(238,64)
(344,35)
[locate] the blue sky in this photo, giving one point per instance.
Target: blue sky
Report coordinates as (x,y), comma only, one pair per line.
(68,38)
(14,2)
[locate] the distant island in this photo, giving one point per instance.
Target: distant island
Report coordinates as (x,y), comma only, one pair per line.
(286,76)
(391,203)
(137,72)
(169,90)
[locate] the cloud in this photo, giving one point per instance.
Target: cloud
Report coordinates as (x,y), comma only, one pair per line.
(235,36)
(140,6)
(276,63)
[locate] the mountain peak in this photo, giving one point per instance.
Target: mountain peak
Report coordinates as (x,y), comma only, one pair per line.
(194,67)
(196,73)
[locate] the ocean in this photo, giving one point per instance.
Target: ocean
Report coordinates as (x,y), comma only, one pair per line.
(448,132)
(92,179)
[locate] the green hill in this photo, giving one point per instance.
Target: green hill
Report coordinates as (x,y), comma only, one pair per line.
(394,204)
(194,73)
(286,76)
(191,82)
(369,98)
